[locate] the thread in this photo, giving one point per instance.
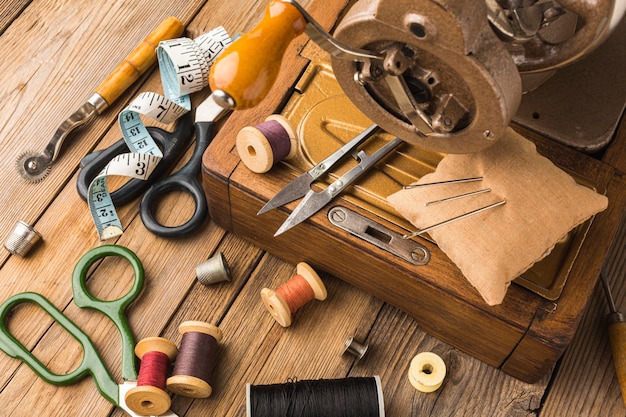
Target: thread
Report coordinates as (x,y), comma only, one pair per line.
(153,370)
(197,358)
(347,397)
(260,147)
(149,396)
(289,297)
(296,292)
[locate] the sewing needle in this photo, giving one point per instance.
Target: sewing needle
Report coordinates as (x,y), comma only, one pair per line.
(462,216)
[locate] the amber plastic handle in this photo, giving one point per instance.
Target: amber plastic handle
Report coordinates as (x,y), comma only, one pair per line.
(138,61)
(248,68)
(617,337)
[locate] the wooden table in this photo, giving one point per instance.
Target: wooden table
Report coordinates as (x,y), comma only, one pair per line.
(54,54)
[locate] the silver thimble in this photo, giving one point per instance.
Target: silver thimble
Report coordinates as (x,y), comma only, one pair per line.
(22,239)
(213,270)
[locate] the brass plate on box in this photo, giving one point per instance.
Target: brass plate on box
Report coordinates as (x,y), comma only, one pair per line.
(325,119)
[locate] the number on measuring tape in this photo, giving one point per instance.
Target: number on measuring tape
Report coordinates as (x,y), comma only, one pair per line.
(133,165)
(185,63)
(184,66)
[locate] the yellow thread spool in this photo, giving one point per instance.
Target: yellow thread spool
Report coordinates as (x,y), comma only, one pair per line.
(427,372)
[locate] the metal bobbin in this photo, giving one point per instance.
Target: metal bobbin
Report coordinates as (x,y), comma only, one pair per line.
(21,239)
(213,270)
(355,348)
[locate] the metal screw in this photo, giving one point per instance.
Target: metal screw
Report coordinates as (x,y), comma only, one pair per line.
(420,255)
(338,215)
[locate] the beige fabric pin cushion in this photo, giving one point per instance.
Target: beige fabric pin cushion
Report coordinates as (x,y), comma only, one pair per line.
(543,203)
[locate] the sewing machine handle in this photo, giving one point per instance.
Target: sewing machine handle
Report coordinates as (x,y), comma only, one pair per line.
(243,74)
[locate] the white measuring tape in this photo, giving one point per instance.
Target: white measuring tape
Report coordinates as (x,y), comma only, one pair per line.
(184,64)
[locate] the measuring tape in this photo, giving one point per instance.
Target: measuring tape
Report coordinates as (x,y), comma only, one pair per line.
(184,64)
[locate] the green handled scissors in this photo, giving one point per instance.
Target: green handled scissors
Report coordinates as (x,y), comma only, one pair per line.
(92,362)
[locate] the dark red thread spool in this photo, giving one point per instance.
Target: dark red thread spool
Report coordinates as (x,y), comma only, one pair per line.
(196,360)
(262,146)
(149,396)
(303,287)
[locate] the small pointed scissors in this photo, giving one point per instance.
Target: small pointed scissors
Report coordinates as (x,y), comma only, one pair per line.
(313,201)
(92,362)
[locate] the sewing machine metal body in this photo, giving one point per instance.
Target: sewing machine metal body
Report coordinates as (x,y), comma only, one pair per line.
(528,332)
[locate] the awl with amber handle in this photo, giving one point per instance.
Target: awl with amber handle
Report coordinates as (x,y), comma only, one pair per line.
(35,166)
(243,73)
(617,337)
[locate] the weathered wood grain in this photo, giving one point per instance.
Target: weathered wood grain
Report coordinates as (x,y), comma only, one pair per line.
(54,54)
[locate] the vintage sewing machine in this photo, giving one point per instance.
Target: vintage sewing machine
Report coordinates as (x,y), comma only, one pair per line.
(445,76)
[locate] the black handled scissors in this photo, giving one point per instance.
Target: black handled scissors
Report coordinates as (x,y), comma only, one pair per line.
(186,178)
(92,363)
(172,144)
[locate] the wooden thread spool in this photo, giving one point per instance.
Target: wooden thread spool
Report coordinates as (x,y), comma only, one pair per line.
(149,396)
(197,358)
(262,146)
(303,287)
(427,372)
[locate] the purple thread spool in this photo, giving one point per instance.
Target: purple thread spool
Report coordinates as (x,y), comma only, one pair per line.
(196,360)
(262,146)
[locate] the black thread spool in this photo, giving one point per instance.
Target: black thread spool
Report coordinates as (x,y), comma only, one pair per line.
(348,397)
(196,360)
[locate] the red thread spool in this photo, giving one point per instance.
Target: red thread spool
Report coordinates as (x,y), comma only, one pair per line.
(149,396)
(303,287)
(197,358)
(262,146)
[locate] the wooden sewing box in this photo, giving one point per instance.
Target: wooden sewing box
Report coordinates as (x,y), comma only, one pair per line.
(525,335)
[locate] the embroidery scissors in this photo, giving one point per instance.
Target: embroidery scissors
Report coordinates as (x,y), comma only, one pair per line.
(92,363)
(313,201)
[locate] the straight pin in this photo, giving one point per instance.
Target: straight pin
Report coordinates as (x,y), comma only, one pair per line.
(462,216)
(473,179)
(456,197)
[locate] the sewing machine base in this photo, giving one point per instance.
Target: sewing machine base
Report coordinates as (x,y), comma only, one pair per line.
(524,336)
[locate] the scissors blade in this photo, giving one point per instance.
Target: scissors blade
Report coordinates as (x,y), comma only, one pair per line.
(302,185)
(292,191)
(209,110)
(314,201)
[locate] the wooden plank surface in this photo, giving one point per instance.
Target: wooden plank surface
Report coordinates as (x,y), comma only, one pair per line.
(54,54)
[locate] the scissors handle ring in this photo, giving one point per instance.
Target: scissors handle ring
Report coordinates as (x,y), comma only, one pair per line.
(180,181)
(91,363)
(173,145)
(84,299)
(186,180)
(115,309)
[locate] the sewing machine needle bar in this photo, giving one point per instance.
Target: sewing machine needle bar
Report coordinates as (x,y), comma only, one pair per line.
(462,216)
(301,185)
(313,201)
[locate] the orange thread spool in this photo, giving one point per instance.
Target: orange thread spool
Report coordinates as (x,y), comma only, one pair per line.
(303,287)
(149,396)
